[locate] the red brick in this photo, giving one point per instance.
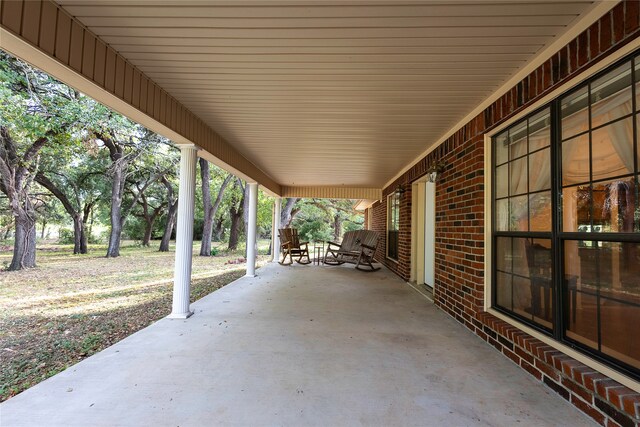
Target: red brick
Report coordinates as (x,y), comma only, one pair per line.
(523,354)
(631,16)
(511,355)
(631,405)
(605,32)
(558,359)
(587,409)
(603,386)
(618,20)
(615,395)
(569,365)
(591,379)
(531,369)
(612,423)
(583,48)
(578,373)
(584,394)
(548,370)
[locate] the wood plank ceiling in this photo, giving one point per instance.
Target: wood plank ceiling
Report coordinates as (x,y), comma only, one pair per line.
(329,93)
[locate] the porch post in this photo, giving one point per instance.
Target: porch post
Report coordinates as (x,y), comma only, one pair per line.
(184,233)
(275,238)
(251,232)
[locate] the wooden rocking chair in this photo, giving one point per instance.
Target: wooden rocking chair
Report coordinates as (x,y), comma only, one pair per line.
(291,246)
(357,247)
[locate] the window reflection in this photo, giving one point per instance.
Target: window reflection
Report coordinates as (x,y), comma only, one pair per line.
(611,96)
(612,150)
(604,310)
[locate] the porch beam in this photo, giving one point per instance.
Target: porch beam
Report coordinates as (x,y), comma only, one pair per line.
(184,233)
(252,227)
(333,192)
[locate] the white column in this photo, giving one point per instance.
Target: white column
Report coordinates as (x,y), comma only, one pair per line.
(275,238)
(252,226)
(184,233)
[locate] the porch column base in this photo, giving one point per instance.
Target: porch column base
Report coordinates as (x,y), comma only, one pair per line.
(180,315)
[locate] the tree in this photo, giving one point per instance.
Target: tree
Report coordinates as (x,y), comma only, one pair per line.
(288,212)
(74,174)
(78,211)
(149,214)
(210,209)
(15,184)
(236,213)
(126,144)
(172,210)
(35,112)
(325,219)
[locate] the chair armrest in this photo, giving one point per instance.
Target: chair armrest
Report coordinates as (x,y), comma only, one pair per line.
(283,244)
(368,247)
(304,243)
(329,243)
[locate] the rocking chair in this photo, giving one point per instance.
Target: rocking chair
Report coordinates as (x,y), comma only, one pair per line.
(291,246)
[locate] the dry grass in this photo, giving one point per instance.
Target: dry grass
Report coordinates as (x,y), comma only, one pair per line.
(72,306)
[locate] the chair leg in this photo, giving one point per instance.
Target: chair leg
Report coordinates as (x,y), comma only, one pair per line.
(304,254)
(367,262)
(284,258)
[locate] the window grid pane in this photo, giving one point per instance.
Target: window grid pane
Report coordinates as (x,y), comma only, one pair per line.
(591,151)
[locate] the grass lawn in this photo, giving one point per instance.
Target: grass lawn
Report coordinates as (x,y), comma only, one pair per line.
(72,306)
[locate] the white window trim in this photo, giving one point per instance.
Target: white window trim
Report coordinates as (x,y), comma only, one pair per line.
(488,179)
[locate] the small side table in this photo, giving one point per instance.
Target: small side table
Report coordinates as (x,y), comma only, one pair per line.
(318,257)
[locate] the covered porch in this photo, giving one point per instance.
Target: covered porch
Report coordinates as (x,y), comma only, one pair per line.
(302,345)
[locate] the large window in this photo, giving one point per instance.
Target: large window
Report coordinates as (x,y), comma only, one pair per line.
(393,224)
(566,222)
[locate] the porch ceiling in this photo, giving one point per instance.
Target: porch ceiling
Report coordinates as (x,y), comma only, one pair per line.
(331,93)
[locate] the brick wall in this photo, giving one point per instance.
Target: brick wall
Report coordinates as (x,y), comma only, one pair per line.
(459,288)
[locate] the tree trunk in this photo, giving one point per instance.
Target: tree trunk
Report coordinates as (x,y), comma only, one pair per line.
(148,231)
(16,177)
(218,230)
(245,214)
(210,209)
(288,213)
(337,227)
(236,222)
(236,211)
(149,222)
(44,228)
(207,224)
(117,188)
(24,249)
(171,223)
(78,227)
(87,212)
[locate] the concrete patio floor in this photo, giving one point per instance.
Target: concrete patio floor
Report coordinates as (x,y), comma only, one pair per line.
(298,346)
